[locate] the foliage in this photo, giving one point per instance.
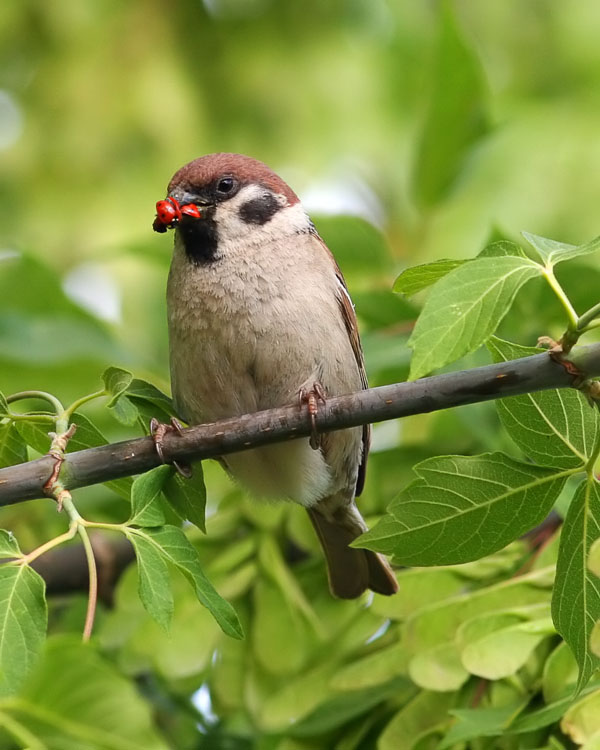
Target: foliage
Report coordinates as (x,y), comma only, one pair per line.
(442,123)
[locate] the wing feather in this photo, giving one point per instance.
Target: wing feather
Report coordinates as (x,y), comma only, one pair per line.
(351,324)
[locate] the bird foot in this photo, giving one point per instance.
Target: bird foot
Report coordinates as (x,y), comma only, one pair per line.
(311,398)
(158,430)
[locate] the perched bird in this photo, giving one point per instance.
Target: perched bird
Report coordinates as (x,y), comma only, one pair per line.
(260,317)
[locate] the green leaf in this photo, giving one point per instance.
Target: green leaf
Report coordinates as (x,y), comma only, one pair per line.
(546,248)
(42,327)
(581,721)
(593,562)
(502,247)
(281,641)
(175,547)
(143,646)
(191,644)
(463,507)
(142,390)
(464,309)
(153,580)
(276,568)
(3,405)
(420,587)
(228,676)
(187,497)
(233,556)
(560,674)
(13,449)
(23,620)
(438,668)
(556,428)
(381,308)
(386,356)
(19,731)
(353,735)
(357,245)
(545,716)
(457,118)
(116,381)
(342,708)
(482,625)
(145,497)
(595,639)
(87,435)
(373,669)
(297,697)
(77,699)
(503,652)
(553,252)
(9,547)
(35,434)
(576,598)
(481,722)
(438,622)
(239,581)
(124,411)
(146,412)
(426,711)
(500,564)
(417,278)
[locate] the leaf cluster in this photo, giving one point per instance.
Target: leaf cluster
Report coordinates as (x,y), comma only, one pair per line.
(480,654)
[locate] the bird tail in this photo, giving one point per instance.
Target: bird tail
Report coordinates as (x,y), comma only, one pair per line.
(351,571)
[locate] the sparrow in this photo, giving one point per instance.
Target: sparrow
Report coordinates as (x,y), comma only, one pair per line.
(260,317)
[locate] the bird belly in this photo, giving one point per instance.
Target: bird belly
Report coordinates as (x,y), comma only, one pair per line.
(208,387)
(290,471)
(231,356)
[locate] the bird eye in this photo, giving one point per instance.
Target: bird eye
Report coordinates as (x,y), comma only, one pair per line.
(225,185)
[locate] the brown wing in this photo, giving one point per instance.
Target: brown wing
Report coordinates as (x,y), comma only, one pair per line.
(349,316)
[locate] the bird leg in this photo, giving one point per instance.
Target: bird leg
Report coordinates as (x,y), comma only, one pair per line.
(158,430)
(311,398)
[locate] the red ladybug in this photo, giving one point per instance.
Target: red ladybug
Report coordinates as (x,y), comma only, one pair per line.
(191,209)
(169,212)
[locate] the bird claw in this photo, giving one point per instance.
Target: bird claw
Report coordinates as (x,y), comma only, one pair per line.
(311,398)
(158,430)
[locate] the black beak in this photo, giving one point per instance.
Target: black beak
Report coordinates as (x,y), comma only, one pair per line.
(183,197)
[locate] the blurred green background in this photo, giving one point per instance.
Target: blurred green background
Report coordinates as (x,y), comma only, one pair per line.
(411,130)
(102,100)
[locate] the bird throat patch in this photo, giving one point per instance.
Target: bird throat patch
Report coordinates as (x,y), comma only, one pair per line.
(199,239)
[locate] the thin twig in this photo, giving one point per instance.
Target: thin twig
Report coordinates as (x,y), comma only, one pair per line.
(93,589)
(78,522)
(43,548)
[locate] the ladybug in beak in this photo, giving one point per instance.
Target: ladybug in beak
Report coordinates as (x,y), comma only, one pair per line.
(169,213)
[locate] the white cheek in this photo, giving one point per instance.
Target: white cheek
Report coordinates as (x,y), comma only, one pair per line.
(231,227)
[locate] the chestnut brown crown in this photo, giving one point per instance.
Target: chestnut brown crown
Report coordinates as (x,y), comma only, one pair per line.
(206,170)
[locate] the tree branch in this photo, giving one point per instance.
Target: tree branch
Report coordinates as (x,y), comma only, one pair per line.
(82,468)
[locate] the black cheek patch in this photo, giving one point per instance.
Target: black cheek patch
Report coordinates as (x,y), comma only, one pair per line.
(199,239)
(260,210)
